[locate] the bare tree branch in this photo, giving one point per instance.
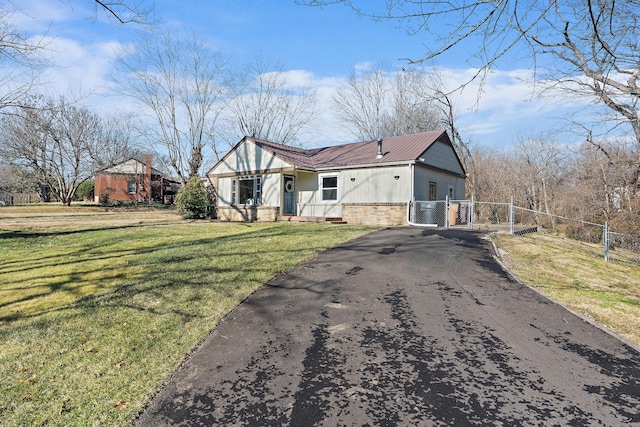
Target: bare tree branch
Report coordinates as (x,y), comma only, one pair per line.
(593,45)
(379,104)
(183,85)
(269,106)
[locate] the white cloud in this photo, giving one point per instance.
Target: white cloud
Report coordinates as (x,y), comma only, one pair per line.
(37,16)
(80,69)
(501,105)
(365,66)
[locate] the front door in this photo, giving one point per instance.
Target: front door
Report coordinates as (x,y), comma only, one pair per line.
(289,206)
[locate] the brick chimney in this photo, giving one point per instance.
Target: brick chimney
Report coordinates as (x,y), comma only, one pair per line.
(147,178)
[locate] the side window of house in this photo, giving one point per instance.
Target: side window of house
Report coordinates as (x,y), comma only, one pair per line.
(329,188)
(233,192)
(248,191)
(432,190)
(131,187)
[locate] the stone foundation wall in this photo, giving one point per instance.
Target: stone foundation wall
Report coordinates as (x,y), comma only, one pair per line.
(385,214)
(247,213)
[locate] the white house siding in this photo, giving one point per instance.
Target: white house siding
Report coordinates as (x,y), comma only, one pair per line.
(424,175)
(271,189)
(248,157)
(310,198)
(442,156)
(375,185)
(372,185)
(130,166)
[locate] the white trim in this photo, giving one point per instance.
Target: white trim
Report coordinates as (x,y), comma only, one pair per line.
(321,188)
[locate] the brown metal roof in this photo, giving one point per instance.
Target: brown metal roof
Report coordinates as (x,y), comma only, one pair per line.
(395,149)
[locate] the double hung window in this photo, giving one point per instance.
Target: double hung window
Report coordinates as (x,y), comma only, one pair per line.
(329,184)
(246,191)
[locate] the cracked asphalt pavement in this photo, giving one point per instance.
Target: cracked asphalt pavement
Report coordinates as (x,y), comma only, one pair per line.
(404,326)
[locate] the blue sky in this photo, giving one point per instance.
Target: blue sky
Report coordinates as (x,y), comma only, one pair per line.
(321,46)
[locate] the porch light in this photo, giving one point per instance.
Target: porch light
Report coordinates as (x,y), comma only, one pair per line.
(396,177)
(353,179)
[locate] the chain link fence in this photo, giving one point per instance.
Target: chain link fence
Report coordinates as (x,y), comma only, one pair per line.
(440,213)
(518,220)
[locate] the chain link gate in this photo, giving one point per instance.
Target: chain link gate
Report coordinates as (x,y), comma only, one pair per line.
(441,213)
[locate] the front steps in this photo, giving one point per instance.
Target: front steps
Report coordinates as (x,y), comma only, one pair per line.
(317,219)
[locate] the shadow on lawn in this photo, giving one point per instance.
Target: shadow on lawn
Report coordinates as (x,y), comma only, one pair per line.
(13,234)
(167,267)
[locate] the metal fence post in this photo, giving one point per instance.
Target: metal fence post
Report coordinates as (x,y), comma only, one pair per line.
(471,213)
(446,212)
(605,240)
(511,215)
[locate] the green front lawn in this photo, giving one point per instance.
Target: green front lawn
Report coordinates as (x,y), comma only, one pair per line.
(93,321)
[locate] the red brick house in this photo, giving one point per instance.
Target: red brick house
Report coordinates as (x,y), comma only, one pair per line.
(133,180)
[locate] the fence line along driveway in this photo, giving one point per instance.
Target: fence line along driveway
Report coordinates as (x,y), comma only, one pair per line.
(403,326)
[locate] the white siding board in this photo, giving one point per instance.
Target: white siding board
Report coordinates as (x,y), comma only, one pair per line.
(271,189)
(224,191)
(373,185)
(130,166)
(248,157)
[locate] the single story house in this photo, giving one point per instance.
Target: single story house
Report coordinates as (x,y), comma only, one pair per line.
(134,180)
(368,182)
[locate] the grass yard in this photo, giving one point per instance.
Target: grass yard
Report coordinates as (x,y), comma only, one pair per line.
(575,274)
(98,308)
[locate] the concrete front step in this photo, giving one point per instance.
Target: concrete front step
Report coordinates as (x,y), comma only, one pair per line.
(318,219)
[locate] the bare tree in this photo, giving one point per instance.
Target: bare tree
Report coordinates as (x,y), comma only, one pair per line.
(432,88)
(604,179)
(589,47)
(53,139)
(269,105)
(381,104)
(360,102)
(490,175)
(16,178)
(21,57)
(183,85)
(116,141)
(537,171)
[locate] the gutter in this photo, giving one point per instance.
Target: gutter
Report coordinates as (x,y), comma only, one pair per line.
(365,165)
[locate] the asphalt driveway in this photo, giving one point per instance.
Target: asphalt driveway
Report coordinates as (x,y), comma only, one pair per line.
(404,326)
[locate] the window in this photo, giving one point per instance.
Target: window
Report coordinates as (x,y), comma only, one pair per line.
(233,192)
(248,191)
(329,188)
(432,190)
(131,187)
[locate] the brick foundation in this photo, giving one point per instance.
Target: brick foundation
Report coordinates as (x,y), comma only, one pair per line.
(385,214)
(247,213)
